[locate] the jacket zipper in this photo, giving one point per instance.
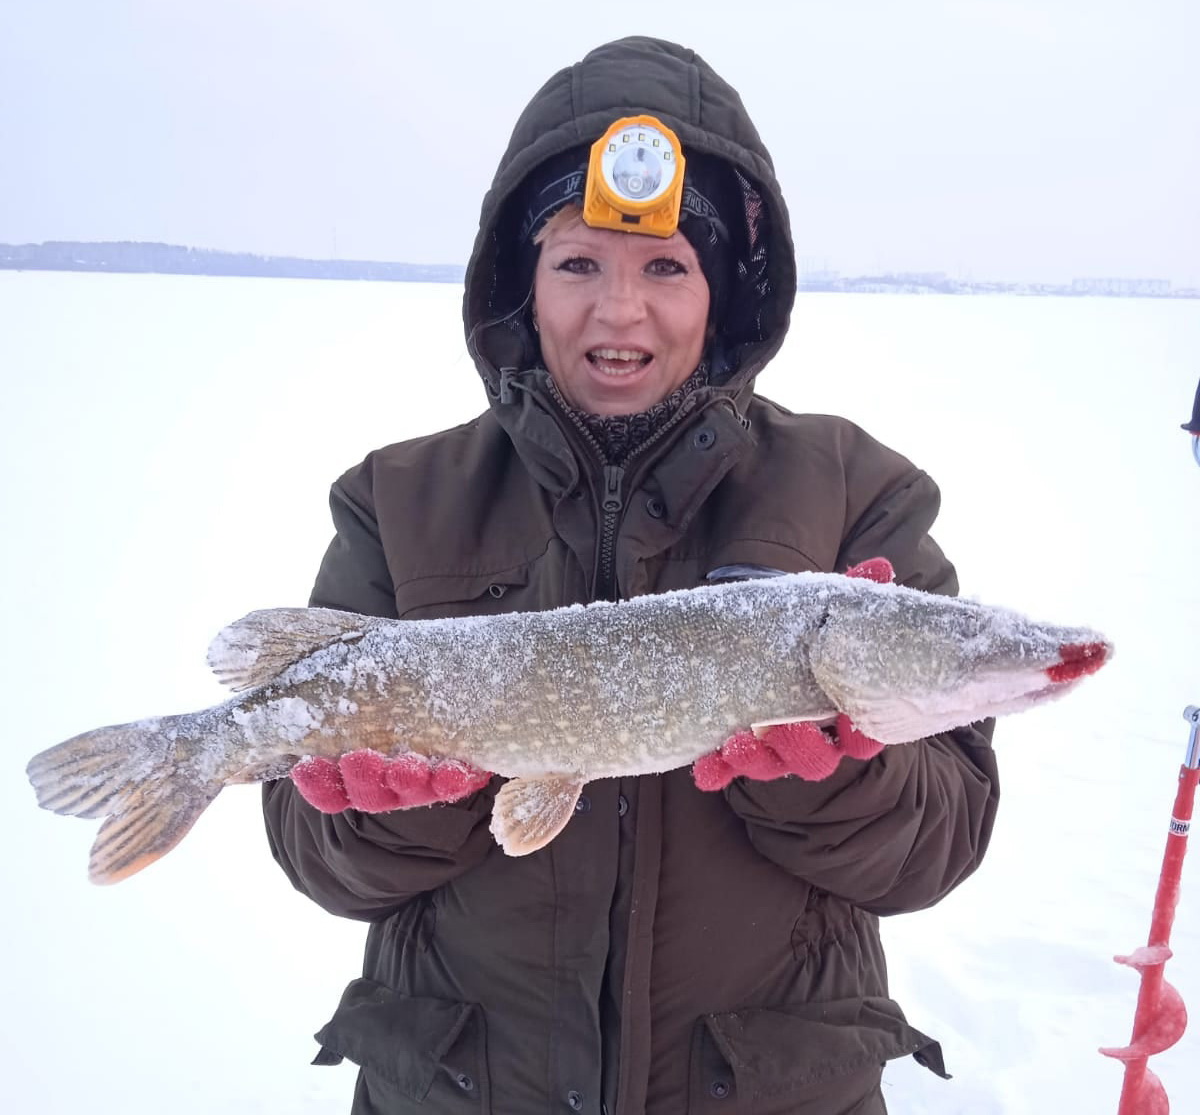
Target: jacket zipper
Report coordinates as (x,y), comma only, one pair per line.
(611,504)
(612,501)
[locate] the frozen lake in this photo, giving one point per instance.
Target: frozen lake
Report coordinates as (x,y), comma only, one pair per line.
(168,445)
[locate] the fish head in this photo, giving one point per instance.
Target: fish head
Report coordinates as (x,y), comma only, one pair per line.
(904,664)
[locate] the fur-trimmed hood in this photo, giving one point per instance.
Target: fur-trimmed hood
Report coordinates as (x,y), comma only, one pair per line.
(574,108)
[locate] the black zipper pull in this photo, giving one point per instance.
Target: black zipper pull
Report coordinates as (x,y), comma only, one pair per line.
(613,476)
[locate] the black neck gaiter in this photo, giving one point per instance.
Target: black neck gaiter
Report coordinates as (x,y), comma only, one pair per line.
(619,435)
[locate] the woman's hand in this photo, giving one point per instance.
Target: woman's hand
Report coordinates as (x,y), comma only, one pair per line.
(802,749)
(373,783)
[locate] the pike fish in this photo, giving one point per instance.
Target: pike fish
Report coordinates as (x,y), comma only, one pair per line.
(552,700)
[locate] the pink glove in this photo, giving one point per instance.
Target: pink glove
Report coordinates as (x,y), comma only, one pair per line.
(803,748)
(371,782)
(877,569)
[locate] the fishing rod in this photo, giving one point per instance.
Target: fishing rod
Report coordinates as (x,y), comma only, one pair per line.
(1161,1017)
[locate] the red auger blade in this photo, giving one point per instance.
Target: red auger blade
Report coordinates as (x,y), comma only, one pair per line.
(1166,1019)
(1146,1096)
(1149,1099)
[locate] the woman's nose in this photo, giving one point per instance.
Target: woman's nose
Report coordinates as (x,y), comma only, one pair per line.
(621,300)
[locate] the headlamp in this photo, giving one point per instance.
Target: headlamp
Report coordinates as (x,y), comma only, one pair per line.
(635,178)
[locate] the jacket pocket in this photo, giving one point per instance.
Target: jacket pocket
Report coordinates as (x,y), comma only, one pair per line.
(441,596)
(411,1050)
(819,1059)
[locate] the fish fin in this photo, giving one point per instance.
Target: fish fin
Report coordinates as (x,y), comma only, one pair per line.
(159,818)
(129,774)
(761,727)
(256,648)
(530,812)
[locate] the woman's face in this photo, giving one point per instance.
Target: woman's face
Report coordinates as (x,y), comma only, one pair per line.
(621,316)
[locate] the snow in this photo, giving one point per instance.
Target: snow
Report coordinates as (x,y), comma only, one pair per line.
(167,454)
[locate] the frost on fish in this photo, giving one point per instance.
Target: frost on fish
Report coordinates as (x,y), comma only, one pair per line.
(282,720)
(554,699)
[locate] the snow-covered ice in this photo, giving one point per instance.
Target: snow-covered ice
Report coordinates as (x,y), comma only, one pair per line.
(168,446)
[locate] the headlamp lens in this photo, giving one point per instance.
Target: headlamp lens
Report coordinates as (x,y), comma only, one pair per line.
(637,161)
(637,173)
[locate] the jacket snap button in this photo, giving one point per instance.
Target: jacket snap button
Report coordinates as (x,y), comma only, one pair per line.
(719,1089)
(576,493)
(655,507)
(705,438)
(464,1082)
(583,805)
(574,1100)
(497,590)
(622,806)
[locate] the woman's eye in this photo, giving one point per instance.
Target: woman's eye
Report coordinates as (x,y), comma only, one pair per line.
(664,265)
(576,265)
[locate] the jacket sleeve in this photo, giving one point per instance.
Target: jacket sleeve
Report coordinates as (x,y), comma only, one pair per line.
(898,832)
(361,865)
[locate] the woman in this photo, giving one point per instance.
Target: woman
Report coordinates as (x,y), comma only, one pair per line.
(672,949)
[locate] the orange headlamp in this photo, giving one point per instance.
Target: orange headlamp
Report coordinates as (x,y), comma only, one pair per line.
(635,178)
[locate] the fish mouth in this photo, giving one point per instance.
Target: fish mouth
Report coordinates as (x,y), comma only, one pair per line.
(903,717)
(1077,660)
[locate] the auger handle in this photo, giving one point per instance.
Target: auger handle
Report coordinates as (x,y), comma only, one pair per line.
(1192,715)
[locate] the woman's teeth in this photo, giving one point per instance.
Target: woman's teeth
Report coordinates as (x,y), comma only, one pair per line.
(618,361)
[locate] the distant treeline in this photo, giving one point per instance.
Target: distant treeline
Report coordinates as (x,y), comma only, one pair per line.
(171,259)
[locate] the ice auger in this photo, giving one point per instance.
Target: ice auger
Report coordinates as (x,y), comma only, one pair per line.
(1160,1017)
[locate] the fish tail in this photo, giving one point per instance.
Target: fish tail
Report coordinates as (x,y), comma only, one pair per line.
(129,775)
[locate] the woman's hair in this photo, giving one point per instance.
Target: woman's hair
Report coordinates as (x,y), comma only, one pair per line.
(569,214)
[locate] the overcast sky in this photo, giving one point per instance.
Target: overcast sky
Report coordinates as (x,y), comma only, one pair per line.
(1036,139)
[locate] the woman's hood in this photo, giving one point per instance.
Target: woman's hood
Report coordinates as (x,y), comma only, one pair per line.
(573,109)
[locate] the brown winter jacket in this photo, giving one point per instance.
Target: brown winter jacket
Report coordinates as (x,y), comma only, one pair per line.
(671,951)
